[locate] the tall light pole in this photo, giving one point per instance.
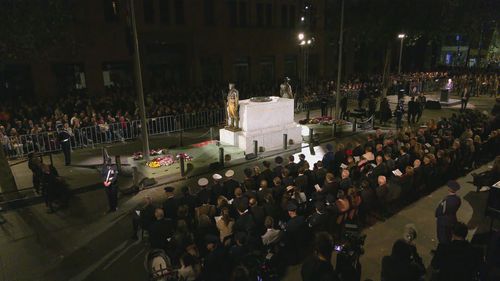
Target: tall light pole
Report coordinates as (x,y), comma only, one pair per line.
(339,67)
(139,87)
(402,37)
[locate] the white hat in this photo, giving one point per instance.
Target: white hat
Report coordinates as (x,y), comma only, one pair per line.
(217,177)
(203,182)
(229,173)
(289,188)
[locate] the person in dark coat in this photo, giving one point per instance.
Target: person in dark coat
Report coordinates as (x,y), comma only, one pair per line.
(343,107)
(34,165)
(161,230)
(398,113)
(318,220)
(171,204)
(421,101)
(279,166)
(319,173)
(399,265)
(328,158)
(267,174)
(446,213)
(110,181)
(143,217)
(64,140)
(230,184)
(49,183)
(458,260)
(245,222)
(385,111)
(403,160)
(412,110)
(292,167)
(295,234)
(215,261)
(318,267)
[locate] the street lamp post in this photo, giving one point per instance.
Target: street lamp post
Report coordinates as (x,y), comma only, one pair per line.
(339,66)
(139,87)
(402,37)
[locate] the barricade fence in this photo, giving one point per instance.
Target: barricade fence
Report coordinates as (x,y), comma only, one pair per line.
(47,142)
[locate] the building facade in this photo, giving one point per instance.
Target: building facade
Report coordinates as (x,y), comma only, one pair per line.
(181,42)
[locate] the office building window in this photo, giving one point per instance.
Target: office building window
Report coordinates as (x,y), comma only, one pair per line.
(266,65)
(165,11)
(291,66)
(149,11)
(111,10)
(291,16)
(269,14)
(284,16)
(243,13)
(179,11)
(233,13)
(260,14)
(209,11)
(241,71)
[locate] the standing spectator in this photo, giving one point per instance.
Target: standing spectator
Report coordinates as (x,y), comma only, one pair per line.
(465,96)
(421,101)
(458,260)
(446,213)
(399,265)
(385,111)
(412,110)
(343,107)
(399,112)
(110,176)
(318,267)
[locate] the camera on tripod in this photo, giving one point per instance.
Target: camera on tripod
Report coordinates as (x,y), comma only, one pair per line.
(348,253)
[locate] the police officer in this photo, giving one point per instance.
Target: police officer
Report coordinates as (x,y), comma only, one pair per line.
(110,176)
(446,213)
(64,139)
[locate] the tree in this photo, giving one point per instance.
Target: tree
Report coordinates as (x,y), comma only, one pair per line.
(32,29)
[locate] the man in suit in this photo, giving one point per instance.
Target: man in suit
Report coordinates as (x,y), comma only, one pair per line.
(446,213)
(230,184)
(403,159)
(267,174)
(295,234)
(458,260)
(110,181)
(279,166)
(170,205)
(319,173)
(291,166)
(161,230)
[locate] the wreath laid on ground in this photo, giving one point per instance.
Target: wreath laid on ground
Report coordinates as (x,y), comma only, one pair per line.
(138,155)
(323,120)
(167,160)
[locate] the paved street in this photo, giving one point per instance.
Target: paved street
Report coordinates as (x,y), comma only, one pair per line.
(82,243)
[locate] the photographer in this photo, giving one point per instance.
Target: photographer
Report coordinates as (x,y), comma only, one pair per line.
(400,265)
(318,267)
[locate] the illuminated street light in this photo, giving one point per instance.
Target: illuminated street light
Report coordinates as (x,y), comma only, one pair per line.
(303,42)
(302,19)
(309,42)
(402,37)
(301,36)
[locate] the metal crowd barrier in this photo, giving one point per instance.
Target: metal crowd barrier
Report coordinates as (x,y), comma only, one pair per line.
(109,133)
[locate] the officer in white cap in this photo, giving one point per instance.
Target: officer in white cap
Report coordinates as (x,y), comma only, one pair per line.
(230,184)
(205,194)
(217,188)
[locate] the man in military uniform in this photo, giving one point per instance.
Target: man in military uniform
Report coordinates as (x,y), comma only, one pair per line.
(64,139)
(286,89)
(110,176)
(446,213)
(233,110)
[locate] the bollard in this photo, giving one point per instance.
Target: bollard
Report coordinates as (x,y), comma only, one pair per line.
(373,121)
(354,125)
(51,160)
(118,163)
(308,114)
(221,156)
(334,129)
(255,147)
(183,170)
(180,138)
(285,141)
(311,135)
(211,133)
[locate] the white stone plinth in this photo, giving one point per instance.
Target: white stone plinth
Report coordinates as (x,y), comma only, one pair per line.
(265,122)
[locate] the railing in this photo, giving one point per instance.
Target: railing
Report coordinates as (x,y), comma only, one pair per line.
(108,133)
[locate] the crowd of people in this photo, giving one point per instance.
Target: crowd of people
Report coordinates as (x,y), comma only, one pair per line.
(292,211)
(111,113)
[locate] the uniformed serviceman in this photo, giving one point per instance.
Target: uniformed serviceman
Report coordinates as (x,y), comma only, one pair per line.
(63,137)
(110,176)
(446,212)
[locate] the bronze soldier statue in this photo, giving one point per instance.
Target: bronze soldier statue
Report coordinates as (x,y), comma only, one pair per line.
(233,108)
(286,89)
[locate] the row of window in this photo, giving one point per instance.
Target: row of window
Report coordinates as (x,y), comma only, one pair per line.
(239,12)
